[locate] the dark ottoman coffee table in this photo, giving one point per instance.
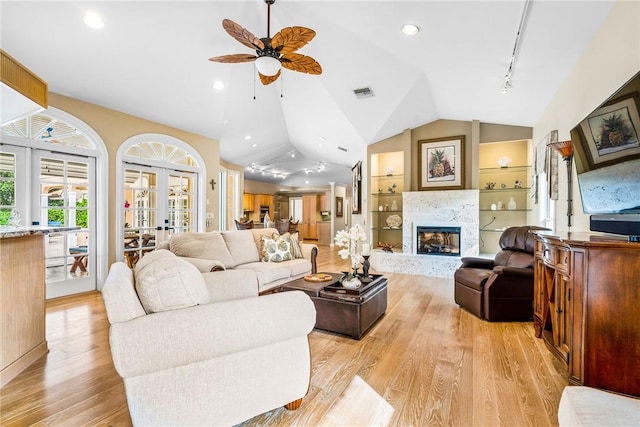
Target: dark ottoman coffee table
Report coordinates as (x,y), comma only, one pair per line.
(344,311)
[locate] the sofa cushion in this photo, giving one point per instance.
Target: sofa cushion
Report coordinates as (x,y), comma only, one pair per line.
(231,284)
(166,282)
(276,248)
(299,266)
(268,272)
(209,246)
(241,246)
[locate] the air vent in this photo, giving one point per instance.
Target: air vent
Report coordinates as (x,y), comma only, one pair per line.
(342,149)
(364,92)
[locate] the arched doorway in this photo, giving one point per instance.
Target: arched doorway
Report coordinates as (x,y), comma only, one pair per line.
(160,192)
(53,171)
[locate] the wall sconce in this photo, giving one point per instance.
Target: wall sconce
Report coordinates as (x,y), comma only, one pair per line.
(565,148)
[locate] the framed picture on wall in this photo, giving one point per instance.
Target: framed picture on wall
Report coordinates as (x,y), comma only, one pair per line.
(611,131)
(339,207)
(356,180)
(441,163)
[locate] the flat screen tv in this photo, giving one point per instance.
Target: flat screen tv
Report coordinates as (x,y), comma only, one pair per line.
(607,157)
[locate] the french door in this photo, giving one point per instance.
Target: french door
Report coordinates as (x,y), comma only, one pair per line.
(63,194)
(158,202)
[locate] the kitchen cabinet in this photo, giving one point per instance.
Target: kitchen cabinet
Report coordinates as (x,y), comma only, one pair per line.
(309,217)
(324,203)
(324,233)
(248,202)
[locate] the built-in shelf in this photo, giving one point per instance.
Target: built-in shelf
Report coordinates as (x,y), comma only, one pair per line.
(501,188)
(386,197)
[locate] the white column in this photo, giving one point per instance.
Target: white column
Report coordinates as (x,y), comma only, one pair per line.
(333,211)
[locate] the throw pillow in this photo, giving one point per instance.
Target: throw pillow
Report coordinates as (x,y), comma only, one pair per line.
(166,282)
(296,250)
(276,248)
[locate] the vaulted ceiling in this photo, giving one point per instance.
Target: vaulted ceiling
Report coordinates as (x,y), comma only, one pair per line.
(151,60)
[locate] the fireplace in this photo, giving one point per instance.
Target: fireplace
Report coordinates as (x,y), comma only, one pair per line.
(438,240)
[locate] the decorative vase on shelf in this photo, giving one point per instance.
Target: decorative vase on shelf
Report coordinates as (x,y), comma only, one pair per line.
(351,282)
(511,205)
(394,206)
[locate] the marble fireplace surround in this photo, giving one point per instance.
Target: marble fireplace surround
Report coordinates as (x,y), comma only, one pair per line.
(447,208)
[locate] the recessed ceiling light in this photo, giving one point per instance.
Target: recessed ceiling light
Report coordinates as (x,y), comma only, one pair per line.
(218,85)
(93,20)
(254,145)
(320,144)
(410,29)
(306,182)
(247,137)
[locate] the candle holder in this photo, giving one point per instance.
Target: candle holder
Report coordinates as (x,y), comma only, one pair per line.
(365,269)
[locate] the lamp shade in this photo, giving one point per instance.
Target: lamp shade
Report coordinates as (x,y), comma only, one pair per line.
(565,148)
(268,65)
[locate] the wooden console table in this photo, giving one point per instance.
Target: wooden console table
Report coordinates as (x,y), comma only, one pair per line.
(587,307)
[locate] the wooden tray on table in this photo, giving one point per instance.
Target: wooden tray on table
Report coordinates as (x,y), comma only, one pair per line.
(318,277)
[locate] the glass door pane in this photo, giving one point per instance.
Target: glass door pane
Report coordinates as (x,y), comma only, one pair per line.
(7,187)
(64,196)
(180,207)
(140,212)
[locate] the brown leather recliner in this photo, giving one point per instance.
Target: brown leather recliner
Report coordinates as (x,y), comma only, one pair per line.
(500,288)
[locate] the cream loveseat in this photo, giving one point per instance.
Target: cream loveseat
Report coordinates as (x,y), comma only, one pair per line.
(203,348)
(241,250)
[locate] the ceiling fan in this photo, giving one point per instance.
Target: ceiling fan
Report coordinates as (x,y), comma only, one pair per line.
(272,53)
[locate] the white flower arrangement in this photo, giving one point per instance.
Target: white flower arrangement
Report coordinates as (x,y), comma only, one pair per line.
(348,239)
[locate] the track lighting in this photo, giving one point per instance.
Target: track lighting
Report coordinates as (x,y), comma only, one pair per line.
(507,77)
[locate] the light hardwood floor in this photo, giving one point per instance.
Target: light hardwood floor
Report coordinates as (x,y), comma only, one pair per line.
(425,363)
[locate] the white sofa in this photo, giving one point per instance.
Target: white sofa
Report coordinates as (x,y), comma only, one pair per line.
(591,407)
(213,352)
(241,250)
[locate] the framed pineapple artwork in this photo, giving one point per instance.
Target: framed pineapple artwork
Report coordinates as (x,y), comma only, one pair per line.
(441,163)
(611,132)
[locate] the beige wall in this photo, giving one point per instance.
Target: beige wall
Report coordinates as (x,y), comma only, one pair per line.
(115,127)
(257,187)
(408,141)
(610,60)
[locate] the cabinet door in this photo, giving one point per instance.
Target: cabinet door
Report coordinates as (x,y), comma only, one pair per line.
(309,209)
(540,274)
(562,324)
(248,202)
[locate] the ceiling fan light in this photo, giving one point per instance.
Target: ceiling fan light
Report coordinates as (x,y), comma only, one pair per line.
(268,65)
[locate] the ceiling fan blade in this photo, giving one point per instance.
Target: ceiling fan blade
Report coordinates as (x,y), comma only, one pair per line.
(290,39)
(243,35)
(301,63)
(266,80)
(235,58)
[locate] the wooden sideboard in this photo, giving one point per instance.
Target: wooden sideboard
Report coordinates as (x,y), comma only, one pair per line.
(587,307)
